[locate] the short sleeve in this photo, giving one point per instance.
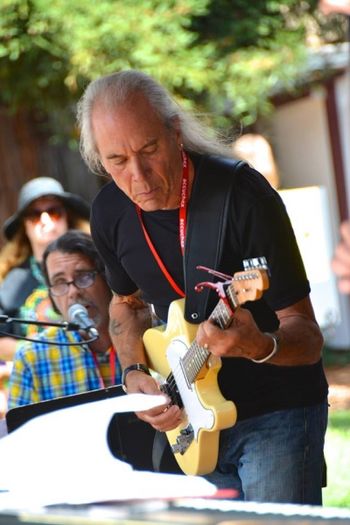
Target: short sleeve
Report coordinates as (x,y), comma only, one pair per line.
(264,229)
(103,237)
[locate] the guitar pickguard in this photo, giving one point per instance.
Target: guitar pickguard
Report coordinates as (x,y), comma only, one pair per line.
(195,412)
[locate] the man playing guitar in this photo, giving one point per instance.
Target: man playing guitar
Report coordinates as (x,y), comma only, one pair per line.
(270,349)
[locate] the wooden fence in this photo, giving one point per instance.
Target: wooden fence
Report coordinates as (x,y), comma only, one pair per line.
(26,152)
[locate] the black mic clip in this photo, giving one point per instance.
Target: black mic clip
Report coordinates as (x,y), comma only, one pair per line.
(70,327)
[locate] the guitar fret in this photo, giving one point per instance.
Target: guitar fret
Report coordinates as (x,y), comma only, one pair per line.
(221,315)
(193,361)
(226,315)
(220,319)
(232,297)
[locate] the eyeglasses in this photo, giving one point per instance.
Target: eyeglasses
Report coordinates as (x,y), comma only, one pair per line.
(82,280)
(55,212)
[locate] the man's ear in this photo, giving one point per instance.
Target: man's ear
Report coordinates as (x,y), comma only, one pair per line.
(177,130)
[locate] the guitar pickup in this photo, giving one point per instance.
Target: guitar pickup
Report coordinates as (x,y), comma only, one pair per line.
(170,389)
(183,440)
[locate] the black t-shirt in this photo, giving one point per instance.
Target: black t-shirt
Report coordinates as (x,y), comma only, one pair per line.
(258,225)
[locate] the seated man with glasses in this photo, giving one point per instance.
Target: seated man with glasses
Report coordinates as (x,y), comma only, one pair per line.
(64,362)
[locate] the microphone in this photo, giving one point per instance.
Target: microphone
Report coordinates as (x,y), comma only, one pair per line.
(77,313)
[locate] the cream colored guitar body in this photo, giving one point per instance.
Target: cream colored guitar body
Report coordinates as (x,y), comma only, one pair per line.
(206,412)
(190,371)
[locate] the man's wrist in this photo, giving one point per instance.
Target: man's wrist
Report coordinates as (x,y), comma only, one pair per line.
(275,349)
(140,367)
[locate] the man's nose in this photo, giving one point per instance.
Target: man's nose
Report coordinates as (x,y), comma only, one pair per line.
(73,292)
(139,168)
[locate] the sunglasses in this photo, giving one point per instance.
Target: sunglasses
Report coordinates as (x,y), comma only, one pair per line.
(55,213)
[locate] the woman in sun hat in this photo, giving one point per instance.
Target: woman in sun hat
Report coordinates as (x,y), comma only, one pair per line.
(44,212)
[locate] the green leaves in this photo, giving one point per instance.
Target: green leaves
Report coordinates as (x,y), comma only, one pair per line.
(221,57)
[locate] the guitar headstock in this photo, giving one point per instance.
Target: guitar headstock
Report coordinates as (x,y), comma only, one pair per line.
(248,285)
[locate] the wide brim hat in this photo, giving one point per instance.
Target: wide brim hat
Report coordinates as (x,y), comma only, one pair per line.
(44,187)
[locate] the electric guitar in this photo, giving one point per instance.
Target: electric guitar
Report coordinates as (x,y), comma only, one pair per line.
(191,370)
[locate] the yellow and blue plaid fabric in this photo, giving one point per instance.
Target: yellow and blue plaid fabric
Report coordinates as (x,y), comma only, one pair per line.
(38,305)
(44,371)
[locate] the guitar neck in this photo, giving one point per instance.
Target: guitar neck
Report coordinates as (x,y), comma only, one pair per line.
(196,356)
(247,285)
(223,312)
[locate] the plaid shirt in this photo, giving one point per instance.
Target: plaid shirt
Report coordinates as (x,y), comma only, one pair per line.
(38,305)
(45,371)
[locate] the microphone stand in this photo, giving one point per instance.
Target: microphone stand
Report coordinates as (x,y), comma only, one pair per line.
(65,325)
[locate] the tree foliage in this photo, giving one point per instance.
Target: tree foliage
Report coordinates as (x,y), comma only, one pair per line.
(222,57)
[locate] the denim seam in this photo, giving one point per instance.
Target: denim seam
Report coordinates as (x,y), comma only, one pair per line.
(306,451)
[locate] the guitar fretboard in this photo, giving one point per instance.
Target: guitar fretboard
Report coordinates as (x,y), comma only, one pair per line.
(197,355)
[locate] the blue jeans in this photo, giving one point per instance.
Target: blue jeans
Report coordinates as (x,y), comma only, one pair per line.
(276,457)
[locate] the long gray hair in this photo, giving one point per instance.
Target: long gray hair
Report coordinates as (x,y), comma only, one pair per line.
(116,88)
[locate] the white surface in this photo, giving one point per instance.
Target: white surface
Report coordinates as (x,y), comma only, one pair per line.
(309,212)
(63,457)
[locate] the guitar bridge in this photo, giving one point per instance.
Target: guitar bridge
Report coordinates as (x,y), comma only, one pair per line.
(183,440)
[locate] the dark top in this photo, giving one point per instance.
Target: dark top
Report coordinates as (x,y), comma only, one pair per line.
(16,287)
(258,226)
(24,295)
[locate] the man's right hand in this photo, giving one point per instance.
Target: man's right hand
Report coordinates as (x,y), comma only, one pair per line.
(162,418)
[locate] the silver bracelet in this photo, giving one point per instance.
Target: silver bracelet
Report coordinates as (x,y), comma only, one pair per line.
(276,347)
